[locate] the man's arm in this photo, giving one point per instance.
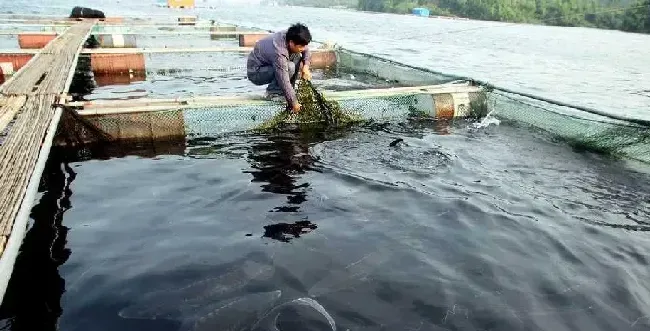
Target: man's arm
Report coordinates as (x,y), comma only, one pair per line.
(282,76)
(306,56)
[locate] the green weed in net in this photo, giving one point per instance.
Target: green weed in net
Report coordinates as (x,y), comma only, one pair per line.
(314,112)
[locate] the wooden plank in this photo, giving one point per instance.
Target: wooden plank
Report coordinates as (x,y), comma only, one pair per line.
(63,17)
(152,50)
(177,25)
(24,151)
(166,50)
(143,33)
(9,108)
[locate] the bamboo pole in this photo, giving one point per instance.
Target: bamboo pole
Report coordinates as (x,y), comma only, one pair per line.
(152,50)
(9,109)
(196,25)
(166,50)
(143,33)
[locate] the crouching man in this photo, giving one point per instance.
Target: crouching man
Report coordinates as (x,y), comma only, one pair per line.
(278,60)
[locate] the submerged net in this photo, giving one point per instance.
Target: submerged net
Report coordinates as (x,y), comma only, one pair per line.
(582,130)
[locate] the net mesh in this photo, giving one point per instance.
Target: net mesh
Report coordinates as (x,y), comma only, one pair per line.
(216,120)
(391,70)
(581,129)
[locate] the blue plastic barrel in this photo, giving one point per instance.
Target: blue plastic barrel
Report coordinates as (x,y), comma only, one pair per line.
(420,12)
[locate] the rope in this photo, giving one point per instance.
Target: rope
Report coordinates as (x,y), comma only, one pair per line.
(31,92)
(10,107)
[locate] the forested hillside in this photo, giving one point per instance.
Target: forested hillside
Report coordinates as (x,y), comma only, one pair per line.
(631,16)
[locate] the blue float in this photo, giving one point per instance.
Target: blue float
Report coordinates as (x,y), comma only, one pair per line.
(421,12)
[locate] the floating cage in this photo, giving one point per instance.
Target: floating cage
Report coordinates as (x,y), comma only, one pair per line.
(378,90)
(366,86)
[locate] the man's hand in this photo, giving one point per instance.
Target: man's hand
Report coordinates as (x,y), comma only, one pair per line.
(306,73)
(296,107)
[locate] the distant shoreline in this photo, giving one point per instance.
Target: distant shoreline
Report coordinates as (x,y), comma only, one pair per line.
(624,20)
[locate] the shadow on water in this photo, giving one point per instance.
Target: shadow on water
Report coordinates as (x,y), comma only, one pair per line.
(33,297)
(278,161)
(85,81)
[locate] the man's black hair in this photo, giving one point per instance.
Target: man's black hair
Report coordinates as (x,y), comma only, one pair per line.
(299,34)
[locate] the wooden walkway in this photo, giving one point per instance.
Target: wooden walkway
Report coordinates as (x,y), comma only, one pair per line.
(28,117)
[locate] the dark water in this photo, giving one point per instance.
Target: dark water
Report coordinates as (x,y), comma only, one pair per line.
(453,228)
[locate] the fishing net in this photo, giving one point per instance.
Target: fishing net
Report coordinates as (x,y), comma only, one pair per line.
(216,119)
(452,98)
(582,129)
(399,73)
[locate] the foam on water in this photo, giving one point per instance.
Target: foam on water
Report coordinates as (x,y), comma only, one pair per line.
(270,320)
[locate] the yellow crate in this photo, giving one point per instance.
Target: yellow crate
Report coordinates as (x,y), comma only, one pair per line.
(180,3)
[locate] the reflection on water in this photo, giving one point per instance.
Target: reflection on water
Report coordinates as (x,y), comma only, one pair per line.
(277,161)
(277,164)
(33,297)
(283,231)
(234,314)
(83,82)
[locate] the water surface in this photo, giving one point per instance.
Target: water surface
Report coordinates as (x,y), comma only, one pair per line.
(455,227)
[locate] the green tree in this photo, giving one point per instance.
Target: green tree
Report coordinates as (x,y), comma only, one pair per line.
(637,18)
